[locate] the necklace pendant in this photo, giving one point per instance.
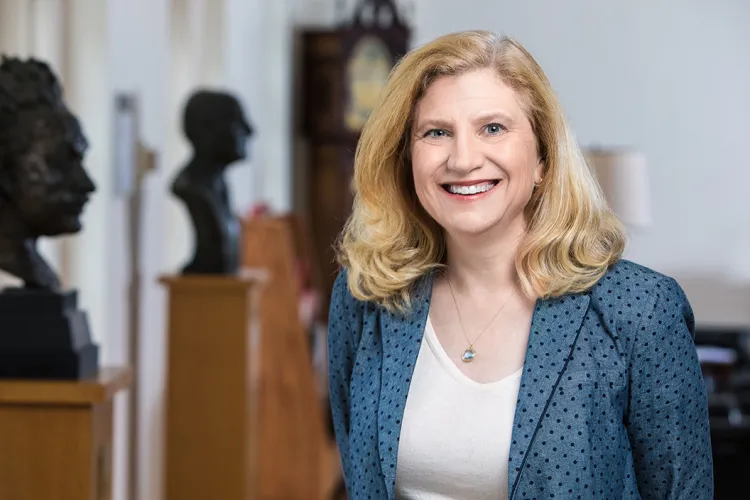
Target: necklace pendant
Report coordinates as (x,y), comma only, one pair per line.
(468,355)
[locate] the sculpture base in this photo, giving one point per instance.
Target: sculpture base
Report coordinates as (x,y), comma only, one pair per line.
(43,335)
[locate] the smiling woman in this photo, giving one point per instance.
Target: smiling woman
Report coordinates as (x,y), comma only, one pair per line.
(486,339)
(474,155)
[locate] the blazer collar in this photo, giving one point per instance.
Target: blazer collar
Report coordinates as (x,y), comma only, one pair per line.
(547,355)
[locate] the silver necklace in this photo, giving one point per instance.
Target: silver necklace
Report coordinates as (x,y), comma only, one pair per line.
(470,353)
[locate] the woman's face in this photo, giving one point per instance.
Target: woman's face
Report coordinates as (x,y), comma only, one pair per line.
(474,155)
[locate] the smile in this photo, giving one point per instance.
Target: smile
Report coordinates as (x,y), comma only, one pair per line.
(470,189)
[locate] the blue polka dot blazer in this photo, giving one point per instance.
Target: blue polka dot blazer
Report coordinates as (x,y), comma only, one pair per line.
(612,404)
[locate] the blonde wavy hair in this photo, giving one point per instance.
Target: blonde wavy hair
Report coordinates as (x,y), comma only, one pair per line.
(389,241)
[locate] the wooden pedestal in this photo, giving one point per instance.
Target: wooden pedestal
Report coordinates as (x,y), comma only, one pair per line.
(56,437)
(211,388)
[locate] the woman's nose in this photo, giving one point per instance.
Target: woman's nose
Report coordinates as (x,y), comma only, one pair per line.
(465,154)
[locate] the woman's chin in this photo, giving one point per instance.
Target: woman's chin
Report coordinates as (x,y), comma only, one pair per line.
(469,227)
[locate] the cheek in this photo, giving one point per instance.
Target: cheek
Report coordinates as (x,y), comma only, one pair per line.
(31,190)
(38,172)
(519,163)
(421,179)
(423,174)
(426,162)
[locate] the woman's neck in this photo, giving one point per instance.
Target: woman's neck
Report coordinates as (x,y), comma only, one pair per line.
(484,262)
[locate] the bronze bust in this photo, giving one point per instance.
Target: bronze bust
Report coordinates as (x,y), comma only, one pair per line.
(43,191)
(43,184)
(218,131)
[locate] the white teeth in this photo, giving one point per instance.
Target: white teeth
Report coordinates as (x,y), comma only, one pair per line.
(467,190)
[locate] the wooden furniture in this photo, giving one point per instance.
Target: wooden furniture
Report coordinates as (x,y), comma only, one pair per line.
(342,73)
(213,387)
(245,417)
(300,459)
(56,437)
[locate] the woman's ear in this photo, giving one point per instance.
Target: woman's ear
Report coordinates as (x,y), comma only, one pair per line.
(539,171)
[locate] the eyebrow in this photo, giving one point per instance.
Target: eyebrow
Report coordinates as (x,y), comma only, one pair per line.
(494,115)
(487,117)
(432,123)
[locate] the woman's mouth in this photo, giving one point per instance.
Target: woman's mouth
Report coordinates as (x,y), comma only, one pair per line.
(470,190)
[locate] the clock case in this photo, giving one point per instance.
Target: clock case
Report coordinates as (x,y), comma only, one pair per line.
(329,143)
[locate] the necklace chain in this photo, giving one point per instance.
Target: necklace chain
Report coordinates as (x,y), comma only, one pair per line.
(470,353)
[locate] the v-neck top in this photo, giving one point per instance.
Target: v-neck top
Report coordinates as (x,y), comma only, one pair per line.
(456,432)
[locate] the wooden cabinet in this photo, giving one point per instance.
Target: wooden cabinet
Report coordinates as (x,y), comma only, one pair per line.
(56,437)
(343,71)
(330,202)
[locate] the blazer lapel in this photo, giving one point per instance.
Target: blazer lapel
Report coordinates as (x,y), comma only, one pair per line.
(554,329)
(402,337)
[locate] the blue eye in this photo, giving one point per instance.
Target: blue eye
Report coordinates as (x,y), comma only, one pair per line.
(435,133)
(494,128)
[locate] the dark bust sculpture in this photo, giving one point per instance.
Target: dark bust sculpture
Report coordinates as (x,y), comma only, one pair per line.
(43,190)
(216,126)
(43,184)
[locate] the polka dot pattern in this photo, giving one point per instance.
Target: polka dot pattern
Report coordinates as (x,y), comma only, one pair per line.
(612,403)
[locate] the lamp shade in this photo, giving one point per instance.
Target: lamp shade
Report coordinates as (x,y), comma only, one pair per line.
(623,177)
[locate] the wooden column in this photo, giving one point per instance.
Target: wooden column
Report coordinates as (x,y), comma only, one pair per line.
(212,381)
(56,437)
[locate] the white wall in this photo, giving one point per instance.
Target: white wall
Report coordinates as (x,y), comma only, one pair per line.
(139,54)
(670,78)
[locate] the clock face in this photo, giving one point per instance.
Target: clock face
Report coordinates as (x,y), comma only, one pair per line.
(366,74)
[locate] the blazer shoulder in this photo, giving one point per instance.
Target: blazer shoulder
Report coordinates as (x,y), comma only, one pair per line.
(345,312)
(340,290)
(639,294)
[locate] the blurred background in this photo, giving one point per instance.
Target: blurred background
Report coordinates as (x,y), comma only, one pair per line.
(657,90)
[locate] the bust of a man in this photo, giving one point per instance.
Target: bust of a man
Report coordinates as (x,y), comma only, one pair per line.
(218,131)
(43,184)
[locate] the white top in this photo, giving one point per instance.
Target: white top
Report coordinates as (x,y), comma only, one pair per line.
(456,432)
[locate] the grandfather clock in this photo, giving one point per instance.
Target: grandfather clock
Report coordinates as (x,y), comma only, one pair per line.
(343,72)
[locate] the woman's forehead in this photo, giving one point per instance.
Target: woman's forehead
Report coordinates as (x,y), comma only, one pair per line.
(475,94)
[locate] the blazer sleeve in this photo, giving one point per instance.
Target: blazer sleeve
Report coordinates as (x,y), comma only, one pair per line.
(344,331)
(667,416)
